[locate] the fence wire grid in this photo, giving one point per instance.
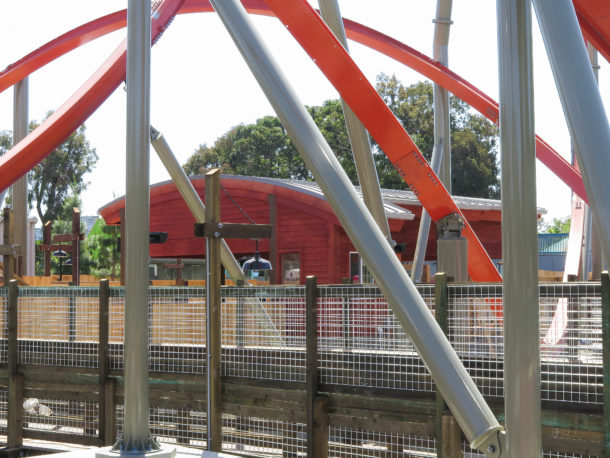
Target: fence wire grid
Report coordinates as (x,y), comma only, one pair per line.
(360,344)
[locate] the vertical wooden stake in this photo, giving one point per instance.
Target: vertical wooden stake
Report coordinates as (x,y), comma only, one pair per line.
(46,239)
(317,417)
(122,247)
(76,246)
(15,380)
(605,280)
(213,311)
(448,433)
(273,257)
(7,240)
(106,434)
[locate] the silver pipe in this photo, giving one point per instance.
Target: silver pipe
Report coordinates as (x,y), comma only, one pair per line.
(424,223)
(440,52)
(458,389)
(136,437)
(596,254)
(192,199)
(358,136)
(441,153)
(519,231)
(20,187)
(582,105)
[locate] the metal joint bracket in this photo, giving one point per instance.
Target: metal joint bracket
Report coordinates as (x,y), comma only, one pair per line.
(233,230)
(442,21)
(495,446)
(449,227)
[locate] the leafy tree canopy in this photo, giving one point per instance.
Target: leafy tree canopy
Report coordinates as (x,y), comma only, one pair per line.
(557,226)
(60,175)
(264,148)
(101,245)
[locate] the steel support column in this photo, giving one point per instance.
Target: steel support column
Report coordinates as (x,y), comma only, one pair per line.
(582,105)
(519,231)
(461,394)
(441,153)
(136,437)
(20,187)
(358,136)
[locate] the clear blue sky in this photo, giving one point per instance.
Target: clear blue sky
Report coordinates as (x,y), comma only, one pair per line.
(201,86)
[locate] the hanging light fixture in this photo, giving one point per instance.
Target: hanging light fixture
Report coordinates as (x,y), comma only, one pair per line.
(61,254)
(256,262)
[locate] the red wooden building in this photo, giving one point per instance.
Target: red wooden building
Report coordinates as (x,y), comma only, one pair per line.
(308,239)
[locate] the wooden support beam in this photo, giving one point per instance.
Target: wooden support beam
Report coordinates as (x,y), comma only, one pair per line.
(8,240)
(76,238)
(273,241)
(106,436)
(605,281)
(46,240)
(123,242)
(213,310)
(316,405)
(233,230)
(448,432)
(15,381)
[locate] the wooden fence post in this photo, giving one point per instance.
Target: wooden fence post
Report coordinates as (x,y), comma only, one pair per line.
(317,410)
(106,411)
(605,286)
(15,379)
(448,433)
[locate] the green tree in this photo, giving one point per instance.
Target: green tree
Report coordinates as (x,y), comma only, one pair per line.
(101,244)
(474,139)
(264,149)
(60,175)
(557,226)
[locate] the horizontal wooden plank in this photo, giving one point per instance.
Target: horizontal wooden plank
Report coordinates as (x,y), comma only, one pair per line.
(62,437)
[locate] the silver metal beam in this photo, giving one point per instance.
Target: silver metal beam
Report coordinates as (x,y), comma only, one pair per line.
(136,437)
(20,187)
(441,153)
(358,136)
(519,231)
(596,254)
(192,199)
(582,105)
(461,394)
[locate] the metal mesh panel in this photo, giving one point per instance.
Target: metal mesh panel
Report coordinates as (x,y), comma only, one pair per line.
(571,342)
(177,331)
(357,443)
(3,325)
(60,416)
(58,326)
(179,426)
(3,408)
(263,333)
(361,343)
(254,436)
(116,325)
(476,333)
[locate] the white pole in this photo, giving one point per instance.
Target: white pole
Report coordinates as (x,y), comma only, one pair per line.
(582,105)
(461,394)
(441,153)
(358,136)
(519,231)
(20,187)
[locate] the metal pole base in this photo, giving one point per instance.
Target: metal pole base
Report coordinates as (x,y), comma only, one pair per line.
(165,452)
